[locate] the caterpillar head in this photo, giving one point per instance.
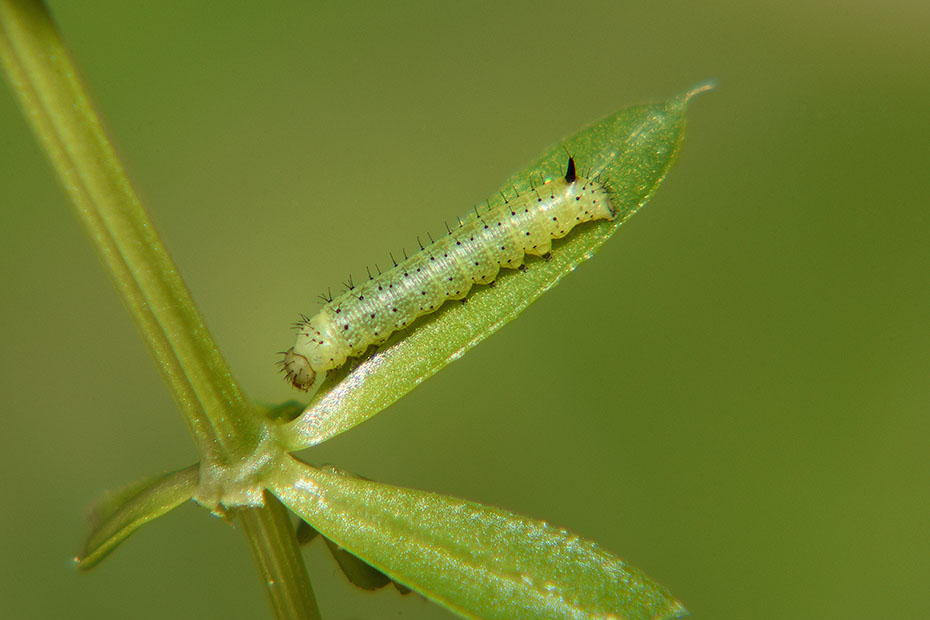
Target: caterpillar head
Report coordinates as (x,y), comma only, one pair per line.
(299,372)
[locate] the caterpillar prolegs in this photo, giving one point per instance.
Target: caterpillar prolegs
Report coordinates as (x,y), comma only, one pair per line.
(472,253)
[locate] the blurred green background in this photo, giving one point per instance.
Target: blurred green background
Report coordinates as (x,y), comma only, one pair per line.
(765,455)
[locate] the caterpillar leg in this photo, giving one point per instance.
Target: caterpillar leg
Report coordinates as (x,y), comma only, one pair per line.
(301,374)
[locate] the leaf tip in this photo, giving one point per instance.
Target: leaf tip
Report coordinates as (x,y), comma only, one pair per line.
(703,87)
(677,610)
(80,562)
(87,558)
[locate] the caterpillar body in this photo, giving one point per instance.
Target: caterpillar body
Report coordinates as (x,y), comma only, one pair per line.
(472,253)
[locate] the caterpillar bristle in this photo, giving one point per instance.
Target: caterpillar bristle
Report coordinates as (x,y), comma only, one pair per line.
(304,319)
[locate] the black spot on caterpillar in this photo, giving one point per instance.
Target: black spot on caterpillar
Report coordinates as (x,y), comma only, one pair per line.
(473,253)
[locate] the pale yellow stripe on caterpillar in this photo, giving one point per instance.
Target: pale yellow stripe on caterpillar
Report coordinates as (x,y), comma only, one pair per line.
(473,253)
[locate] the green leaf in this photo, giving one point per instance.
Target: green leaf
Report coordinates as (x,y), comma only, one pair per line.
(356,571)
(306,533)
(119,514)
(478,561)
(632,150)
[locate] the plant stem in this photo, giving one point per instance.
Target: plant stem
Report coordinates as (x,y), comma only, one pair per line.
(225,423)
(221,417)
(273,544)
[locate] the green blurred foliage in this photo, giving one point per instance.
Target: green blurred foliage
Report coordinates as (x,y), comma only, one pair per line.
(765,454)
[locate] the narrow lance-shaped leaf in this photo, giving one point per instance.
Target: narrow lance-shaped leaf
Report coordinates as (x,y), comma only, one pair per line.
(632,150)
(120,514)
(359,573)
(478,561)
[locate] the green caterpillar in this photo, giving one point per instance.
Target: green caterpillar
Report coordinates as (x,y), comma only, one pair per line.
(472,253)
